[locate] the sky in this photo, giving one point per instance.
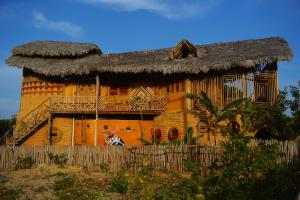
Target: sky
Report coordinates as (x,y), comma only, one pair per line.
(127,25)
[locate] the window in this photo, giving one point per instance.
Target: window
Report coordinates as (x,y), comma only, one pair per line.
(173,134)
(118,91)
(157,134)
(113,91)
(123,91)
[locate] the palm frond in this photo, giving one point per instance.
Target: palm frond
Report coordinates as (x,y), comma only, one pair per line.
(203,98)
(235,104)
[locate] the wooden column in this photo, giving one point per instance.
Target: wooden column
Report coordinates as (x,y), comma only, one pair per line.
(188,90)
(73,131)
(96,120)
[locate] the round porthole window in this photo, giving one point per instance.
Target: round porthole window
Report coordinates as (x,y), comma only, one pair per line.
(127,129)
(105,127)
(173,134)
(157,134)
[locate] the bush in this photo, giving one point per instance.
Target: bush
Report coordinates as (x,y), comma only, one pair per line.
(70,187)
(24,163)
(58,159)
(236,171)
(181,188)
(119,183)
(10,194)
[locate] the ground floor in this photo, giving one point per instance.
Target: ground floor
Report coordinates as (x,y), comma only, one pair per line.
(112,129)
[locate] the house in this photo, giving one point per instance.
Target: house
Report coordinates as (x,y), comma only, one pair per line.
(74,94)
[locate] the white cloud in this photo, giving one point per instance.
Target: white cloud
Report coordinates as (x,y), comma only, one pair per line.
(171,9)
(67,28)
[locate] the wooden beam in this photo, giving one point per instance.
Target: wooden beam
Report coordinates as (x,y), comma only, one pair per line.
(96,120)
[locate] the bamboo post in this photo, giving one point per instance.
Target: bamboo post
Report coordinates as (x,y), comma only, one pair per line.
(14,137)
(96,120)
(244,88)
(49,129)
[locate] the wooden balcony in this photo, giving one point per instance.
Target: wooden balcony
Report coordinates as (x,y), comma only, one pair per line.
(107,104)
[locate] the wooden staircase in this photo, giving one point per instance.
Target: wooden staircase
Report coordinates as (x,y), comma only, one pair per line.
(25,127)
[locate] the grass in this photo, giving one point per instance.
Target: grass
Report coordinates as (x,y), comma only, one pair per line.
(9,194)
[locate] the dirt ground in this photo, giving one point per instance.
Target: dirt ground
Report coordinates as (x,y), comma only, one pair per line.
(38,182)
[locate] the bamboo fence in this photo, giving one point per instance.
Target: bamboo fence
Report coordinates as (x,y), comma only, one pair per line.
(159,157)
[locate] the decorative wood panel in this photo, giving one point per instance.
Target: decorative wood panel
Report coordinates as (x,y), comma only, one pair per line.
(232,87)
(41,87)
(265,87)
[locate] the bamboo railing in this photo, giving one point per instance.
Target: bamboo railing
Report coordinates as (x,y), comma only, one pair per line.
(87,104)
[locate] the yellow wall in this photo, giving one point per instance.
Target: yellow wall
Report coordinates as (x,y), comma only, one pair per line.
(40,137)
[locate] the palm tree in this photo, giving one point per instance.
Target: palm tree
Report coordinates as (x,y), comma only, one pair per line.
(228,113)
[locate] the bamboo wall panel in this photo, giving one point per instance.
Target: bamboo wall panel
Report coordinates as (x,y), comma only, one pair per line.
(63,128)
(38,138)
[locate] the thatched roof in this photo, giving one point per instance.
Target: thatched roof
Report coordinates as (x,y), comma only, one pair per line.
(59,59)
(55,49)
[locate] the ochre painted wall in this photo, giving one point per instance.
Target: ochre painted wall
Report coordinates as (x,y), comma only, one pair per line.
(61,125)
(128,130)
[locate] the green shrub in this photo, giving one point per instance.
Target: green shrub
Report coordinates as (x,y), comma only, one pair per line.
(24,163)
(104,167)
(70,187)
(237,169)
(119,183)
(181,188)
(10,194)
(58,159)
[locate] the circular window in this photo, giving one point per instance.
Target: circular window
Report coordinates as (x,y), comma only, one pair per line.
(173,134)
(156,134)
(105,127)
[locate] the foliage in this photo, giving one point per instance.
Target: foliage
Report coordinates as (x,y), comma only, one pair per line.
(6,124)
(104,167)
(70,187)
(294,102)
(24,163)
(280,185)
(58,159)
(119,183)
(294,105)
(163,186)
(182,188)
(270,117)
(188,137)
(10,194)
(267,117)
(235,171)
(193,167)
(228,113)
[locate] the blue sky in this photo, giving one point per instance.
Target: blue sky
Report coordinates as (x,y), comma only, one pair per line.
(125,25)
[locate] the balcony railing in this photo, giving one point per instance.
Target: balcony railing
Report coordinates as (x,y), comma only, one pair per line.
(107,104)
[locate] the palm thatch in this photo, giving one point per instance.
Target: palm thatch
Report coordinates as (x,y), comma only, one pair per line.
(55,49)
(218,56)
